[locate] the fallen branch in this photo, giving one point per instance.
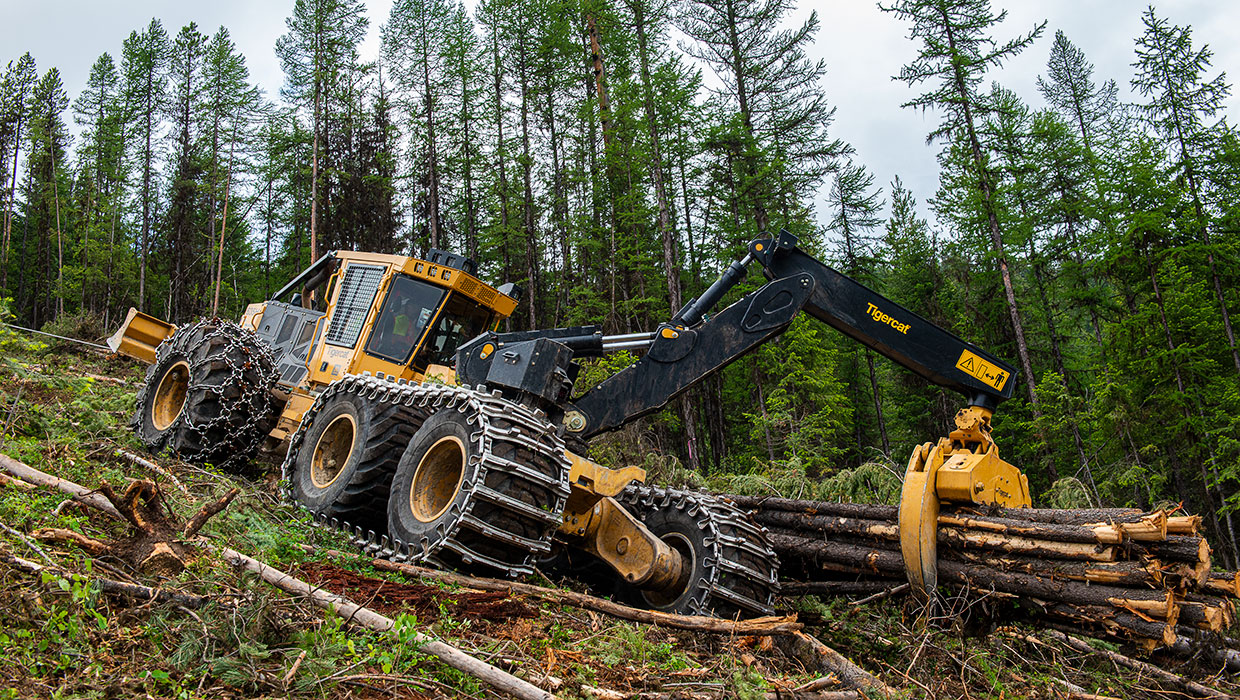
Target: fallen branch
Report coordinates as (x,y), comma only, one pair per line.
(148,464)
(26,541)
(80,493)
(819,657)
(62,536)
(606,694)
(800,588)
(207,512)
(6,480)
(131,591)
(882,594)
(1140,666)
(757,627)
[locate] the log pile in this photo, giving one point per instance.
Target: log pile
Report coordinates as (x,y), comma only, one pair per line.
(1137,576)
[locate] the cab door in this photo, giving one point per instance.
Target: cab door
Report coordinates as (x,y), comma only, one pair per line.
(410,306)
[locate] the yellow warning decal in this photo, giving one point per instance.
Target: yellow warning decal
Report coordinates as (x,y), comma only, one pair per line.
(982,370)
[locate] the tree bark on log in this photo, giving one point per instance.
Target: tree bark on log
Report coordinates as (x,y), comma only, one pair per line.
(1150,528)
(818,656)
(1185,548)
(79,493)
(954,538)
(1075,516)
(1118,623)
(1090,516)
(800,588)
(1117,573)
(1155,603)
(864,511)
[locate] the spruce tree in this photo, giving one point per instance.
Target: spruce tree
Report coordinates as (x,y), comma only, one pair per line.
(321,44)
(19,81)
(855,206)
(956,52)
(144,67)
(1171,73)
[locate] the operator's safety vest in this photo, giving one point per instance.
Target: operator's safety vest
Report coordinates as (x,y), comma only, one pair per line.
(401,325)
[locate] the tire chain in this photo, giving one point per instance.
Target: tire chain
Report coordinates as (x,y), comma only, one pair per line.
(253,357)
(741,555)
(528,429)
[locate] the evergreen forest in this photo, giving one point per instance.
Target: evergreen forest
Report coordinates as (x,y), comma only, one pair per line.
(613,156)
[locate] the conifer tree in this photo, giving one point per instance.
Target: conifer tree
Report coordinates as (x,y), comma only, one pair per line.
(1171,73)
(414,37)
(97,112)
(185,224)
(956,52)
(855,207)
(144,67)
(1070,88)
(773,99)
(18,82)
(321,44)
(48,141)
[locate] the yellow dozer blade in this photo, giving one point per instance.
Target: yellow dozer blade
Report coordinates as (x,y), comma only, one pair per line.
(139,335)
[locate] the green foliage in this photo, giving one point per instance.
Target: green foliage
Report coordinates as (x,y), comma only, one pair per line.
(624,643)
(82,324)
(1068,492)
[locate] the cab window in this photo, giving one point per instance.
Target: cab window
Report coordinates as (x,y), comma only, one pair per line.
(462,319)
(408,309)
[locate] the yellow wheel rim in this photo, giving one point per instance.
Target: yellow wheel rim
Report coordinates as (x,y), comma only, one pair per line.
(437,479)
(170,396)
(332,451)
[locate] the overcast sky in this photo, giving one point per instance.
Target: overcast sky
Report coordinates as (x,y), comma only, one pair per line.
(863,48)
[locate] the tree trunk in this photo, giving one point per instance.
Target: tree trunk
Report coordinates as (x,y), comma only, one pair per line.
(12,204)
(760,216)
(60,241)
(432,152)
(878,402)
(527,204)
(314,173)
(219,265)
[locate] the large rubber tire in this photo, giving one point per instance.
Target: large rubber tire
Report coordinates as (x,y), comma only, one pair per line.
(365,438)
(733,571)
(451,505)
(207,397)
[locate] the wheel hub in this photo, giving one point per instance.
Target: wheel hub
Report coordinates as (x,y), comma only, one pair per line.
(170,396)
(437,479)
(333,450)
(666,597)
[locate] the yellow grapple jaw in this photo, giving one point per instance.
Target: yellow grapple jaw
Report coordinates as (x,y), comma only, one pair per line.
(963,467)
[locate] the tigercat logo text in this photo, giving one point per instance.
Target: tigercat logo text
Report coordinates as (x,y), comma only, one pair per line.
(881,317)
